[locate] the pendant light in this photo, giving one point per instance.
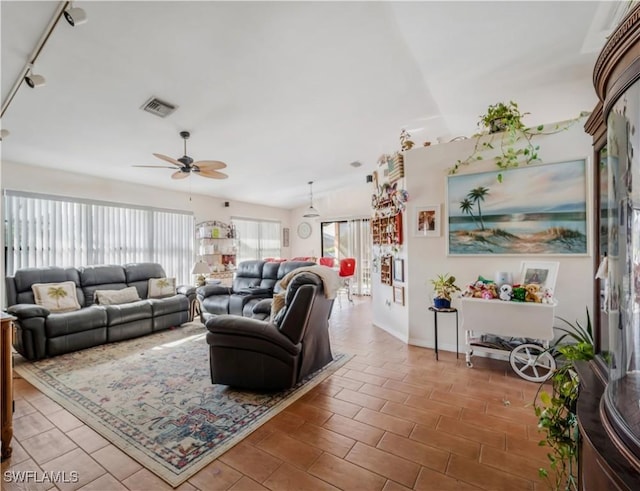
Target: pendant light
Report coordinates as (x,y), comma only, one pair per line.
(311,211)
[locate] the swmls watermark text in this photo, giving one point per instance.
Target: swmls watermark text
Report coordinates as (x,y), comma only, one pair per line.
(53,477)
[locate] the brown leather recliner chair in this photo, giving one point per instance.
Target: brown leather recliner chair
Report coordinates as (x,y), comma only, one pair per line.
(259,355)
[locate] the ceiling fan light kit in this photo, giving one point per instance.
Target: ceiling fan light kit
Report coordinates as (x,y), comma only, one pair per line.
(204,168)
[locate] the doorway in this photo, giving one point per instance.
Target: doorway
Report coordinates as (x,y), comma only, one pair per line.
(350,238)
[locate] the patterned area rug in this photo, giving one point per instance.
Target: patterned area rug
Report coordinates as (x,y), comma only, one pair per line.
(152,397)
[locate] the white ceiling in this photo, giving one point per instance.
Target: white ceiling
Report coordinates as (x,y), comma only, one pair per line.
(284,92)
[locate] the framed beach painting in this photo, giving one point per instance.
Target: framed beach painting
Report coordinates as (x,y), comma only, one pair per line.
(534,210)
(427,221)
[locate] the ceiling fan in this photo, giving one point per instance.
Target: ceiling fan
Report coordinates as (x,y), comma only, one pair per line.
(204,168)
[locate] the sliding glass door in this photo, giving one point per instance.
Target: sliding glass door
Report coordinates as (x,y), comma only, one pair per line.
(350,238)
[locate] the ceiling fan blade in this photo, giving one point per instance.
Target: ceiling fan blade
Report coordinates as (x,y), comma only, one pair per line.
(210,173)
(179,175)
(167,159)
(210,164)
(155,166)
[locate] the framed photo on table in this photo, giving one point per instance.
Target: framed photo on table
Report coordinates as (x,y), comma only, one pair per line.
(427,221)
(543,273)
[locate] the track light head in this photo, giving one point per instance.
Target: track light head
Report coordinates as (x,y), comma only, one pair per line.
(34,80)
(75,16)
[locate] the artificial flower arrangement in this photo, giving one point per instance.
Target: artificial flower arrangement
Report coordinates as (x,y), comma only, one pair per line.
(488,290)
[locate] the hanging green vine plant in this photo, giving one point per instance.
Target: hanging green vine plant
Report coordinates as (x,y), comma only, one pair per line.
(503,122)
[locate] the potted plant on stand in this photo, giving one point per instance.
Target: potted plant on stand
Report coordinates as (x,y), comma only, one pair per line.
(444,286)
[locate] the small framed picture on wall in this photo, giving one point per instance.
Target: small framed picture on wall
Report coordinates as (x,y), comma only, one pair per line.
(398,295)
(427,221)
(398,270)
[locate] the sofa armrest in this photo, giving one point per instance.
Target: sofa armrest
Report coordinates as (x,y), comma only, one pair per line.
(186,290)
(27,311)
(237,301)
(263,306)
(245,327)
(209,290)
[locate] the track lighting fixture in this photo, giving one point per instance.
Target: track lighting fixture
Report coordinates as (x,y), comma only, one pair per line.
(33,80)
(311,211)
(75,15)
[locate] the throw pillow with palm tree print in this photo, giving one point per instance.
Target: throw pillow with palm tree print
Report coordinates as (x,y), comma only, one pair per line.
(161,287)
(56,297)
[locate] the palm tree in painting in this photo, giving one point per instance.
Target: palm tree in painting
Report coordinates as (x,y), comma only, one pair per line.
(56,293)
(477,195)
(466,206)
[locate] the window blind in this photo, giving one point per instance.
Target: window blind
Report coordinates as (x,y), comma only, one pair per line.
(257,239)
(44,230)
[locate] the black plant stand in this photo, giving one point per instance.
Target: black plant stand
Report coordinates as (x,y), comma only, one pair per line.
(448,310)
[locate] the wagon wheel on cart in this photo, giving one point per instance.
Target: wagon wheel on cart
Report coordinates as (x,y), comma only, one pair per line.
(532,362)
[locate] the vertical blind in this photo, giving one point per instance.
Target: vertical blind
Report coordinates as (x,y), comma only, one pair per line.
(257,239)
(51,231)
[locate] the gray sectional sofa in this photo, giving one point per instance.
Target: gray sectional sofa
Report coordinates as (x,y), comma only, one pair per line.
(41,333)
(254,280)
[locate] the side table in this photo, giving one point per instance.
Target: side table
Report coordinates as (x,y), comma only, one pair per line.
(6,405)
(449,310)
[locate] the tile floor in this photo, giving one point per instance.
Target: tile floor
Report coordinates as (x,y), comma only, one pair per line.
(392,418)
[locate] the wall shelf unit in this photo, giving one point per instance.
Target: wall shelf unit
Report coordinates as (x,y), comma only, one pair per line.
(387,230)
(385,270)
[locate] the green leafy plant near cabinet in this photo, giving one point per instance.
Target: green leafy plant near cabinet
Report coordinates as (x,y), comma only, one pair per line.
(556,411)
(507,133)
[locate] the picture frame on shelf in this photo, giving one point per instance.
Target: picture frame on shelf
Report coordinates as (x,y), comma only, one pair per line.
(398,269)
(543,273)
(398,295)
(427,221)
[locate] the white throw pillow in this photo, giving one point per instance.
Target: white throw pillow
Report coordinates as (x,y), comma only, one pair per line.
(56,297)
(116,297)
(161,287)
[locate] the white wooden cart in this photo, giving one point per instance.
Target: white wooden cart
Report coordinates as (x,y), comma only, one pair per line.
(531,322)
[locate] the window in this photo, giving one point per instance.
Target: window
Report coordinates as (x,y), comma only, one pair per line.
(51,231)
(257,239)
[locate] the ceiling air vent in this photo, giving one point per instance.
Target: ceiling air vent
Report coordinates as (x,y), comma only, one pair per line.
(158,107)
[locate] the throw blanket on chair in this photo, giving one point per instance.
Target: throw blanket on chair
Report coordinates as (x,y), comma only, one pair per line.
(329,277)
